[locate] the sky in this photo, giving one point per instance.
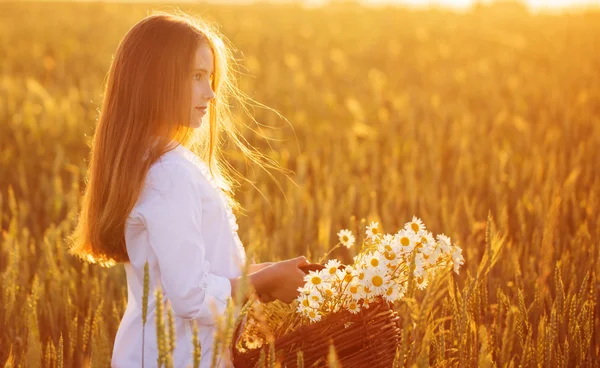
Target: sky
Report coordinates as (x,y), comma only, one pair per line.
(536,5)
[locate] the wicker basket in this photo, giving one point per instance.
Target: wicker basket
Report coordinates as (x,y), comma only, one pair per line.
(366,339)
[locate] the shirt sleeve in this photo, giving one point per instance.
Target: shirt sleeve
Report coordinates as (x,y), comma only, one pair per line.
(172,216)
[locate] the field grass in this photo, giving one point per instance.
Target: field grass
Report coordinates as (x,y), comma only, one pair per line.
(486,125)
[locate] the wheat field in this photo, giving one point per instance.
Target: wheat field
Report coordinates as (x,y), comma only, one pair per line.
(485,124)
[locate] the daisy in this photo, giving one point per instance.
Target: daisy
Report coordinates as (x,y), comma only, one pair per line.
(423,281)
(315,297)
(302,309)
(387,238)
(354,290)
(427,238)
(353,307)
(392,293)
(307,303)
(366,303)
(374,260)
(416,225)
(359,274)
(331,267)
(390,259)
(397,292)
(373,231)
(304,290)
(444,243)
(346,238)
(376,280)
(346,275)
(314,278)
(406,241)
(457,258)
(314,315)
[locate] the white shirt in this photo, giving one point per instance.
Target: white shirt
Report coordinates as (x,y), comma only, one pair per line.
(183,226)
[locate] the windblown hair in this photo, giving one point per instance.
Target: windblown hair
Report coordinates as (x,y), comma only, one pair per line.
(146,104)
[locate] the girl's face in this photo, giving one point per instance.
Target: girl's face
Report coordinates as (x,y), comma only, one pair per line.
(202,76)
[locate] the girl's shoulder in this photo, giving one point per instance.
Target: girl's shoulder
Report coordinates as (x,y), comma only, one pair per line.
(177,169)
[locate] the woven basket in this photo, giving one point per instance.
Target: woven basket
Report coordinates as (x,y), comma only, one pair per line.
(369,340)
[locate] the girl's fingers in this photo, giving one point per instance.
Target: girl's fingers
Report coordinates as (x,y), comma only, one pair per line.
(302,261)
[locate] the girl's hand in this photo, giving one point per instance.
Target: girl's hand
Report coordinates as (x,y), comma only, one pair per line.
(286,277)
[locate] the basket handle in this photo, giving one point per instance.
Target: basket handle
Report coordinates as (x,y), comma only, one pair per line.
(316,267)
(311,267)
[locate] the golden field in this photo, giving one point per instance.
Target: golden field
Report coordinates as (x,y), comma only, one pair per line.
(486,125)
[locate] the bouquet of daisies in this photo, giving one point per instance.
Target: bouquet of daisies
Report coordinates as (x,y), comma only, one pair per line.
(381,268)
(384,269)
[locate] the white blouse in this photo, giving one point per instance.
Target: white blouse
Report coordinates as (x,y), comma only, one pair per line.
(183,226)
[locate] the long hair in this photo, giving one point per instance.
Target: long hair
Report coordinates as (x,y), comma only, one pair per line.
(146,105)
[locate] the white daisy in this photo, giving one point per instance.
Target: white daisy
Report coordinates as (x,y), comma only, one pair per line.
(406,241)
(354,290)
(422,281)
(444,243)
(328,292)
(314,315)
(376,280)
(346,275)
(314,278)
(373,231)
(374,260)
(331,267)
(457,258)
(426,238)
(416,225)
(304,290)
(315,297)
(306,302)
(346,238)
(353,307)
(394,292)
(391,294)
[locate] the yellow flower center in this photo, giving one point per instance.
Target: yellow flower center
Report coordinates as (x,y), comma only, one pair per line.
(426,256)
(389,256)
(312,314)
(361,276)
(389,291)
(315,298)
(345,238)
(423,239)
(352,306)
(374,262)
(419,279)
(388,248)
(329,292)
(316,280)
(415,227)
(332,270)
(367,290)
(348,277)
(377,280)
(405,241)
(354,289)
(305,303)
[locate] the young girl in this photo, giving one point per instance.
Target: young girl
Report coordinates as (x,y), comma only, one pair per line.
(151,198)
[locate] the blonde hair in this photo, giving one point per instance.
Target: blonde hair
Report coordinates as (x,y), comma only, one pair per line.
(146,104)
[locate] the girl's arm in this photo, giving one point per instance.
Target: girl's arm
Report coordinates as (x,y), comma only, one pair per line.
(255,267)
(279,280)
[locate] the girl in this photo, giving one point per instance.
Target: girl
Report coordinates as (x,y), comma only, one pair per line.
(151,198)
